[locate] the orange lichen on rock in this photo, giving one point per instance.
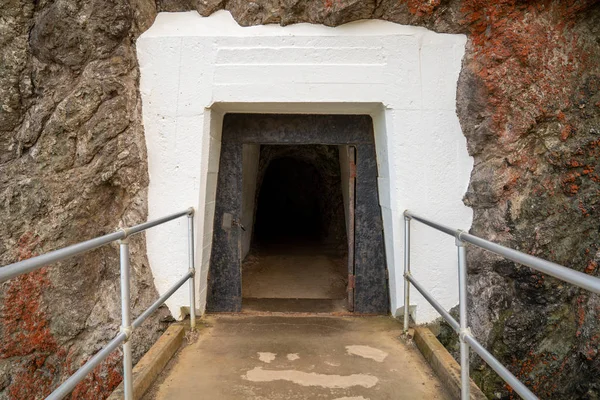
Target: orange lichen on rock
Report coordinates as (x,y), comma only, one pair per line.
(26,329)
(566,132)
(525,367)
(331,3)
(526,58)
(580,313)
(591,267)
(422,8)
(101,382)
(25,325)
(582,208)
(591,349)
(26,334)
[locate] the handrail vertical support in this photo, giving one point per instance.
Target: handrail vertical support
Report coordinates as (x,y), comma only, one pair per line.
(192,271)
(462,294)
(406,273)
(126,319)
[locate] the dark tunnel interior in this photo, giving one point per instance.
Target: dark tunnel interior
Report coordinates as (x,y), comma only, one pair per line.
(299,197)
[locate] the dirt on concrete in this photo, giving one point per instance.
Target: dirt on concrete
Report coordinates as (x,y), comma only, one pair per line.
(287,357)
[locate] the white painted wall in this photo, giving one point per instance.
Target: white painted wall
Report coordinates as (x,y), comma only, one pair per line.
(195,69)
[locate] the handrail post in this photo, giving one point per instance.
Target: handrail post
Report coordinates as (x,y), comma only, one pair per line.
(406,273)
(126,319)
(192,270)
(464,329)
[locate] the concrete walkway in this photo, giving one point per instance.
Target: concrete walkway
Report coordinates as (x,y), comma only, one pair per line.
(294,357)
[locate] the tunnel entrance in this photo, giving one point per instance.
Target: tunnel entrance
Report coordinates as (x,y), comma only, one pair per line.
(297,220)
(298,257)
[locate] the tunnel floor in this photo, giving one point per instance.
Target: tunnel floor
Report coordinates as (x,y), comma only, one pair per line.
(294,279)
(296,260)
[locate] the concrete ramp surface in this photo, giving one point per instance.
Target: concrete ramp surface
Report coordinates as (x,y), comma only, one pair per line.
(295,357)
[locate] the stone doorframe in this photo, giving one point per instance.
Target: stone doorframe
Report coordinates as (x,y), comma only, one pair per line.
(225,276)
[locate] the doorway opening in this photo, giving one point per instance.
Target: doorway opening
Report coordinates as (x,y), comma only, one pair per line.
(297,258)
(315,177)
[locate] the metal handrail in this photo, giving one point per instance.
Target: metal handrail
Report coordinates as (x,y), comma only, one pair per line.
(556,270)
(22,267)
(467,340)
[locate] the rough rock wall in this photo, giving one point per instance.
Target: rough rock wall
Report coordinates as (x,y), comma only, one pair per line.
(529,104)
(72,166)
(72,159)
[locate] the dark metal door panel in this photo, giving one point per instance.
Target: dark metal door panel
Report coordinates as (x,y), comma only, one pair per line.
(225,277)
(371,293)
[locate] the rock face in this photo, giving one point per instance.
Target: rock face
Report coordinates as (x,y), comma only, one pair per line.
(529,104)
(73,165)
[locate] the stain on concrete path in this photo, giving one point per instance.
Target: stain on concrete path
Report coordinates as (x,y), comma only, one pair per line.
(266,357)
(259,374)
(367,352)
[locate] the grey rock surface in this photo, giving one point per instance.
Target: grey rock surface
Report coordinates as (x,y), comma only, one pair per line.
(72,167)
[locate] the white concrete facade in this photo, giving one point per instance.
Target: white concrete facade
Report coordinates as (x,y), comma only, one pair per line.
(195,69)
